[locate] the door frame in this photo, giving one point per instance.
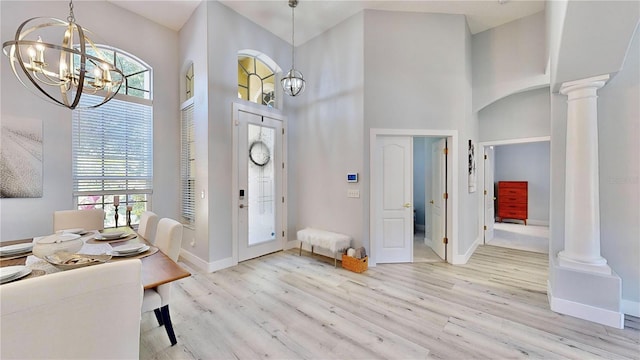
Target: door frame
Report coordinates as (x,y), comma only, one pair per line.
(452,181)
(235,201)
(482,185)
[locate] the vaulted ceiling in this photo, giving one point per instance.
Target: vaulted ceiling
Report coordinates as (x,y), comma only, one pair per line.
(313,17)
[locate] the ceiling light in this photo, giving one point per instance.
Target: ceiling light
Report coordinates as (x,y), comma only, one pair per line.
(61,71)
(293,82)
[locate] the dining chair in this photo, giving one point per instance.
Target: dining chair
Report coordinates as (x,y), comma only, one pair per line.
(90,219)
(148,226)
(168,240)
(86,313)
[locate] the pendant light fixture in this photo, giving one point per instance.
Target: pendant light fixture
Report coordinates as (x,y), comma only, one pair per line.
(77,66)
(293,82)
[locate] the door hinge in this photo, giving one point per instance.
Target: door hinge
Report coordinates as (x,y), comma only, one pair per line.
(283,199)
(485,156)
(485,192)
(445,196)
(282,131)
(445,240)
(485,227)
(283,165)
(445,151)
(283,234)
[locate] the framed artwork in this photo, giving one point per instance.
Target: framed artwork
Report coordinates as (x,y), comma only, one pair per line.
(472,167)
(21,158)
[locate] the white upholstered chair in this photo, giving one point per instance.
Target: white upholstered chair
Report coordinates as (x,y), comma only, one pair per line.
(148,226)
(91,219)
(86,313)
(168,240)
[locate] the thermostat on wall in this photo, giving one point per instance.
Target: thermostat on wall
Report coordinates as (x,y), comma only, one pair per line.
(352,177)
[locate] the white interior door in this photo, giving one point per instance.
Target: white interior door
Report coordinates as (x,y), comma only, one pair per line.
(259,184)
(394,218)
(438,188)
(489,203)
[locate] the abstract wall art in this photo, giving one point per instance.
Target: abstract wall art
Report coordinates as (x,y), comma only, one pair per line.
(21,158)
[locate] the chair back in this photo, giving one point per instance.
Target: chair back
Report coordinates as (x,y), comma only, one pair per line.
(91,219)
(86,313)
(148,226)
(169,237)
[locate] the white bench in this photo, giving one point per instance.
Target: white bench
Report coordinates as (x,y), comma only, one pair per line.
(331,241)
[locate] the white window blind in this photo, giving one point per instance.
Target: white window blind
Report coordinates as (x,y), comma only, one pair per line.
(112,148)
(187,165)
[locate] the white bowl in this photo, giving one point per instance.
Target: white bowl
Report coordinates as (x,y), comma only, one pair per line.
(52,244)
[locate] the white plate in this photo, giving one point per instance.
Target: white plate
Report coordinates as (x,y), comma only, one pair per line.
(140,251)
(10,272)
(110,236)
(20,275)
(78,231)
(15,249)
(58,238)
(128,248)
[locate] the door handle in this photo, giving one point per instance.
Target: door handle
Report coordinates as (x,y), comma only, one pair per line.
(431,202)
(407,205)
(242,206)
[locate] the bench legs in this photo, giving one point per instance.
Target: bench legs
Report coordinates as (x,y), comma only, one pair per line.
(335,254)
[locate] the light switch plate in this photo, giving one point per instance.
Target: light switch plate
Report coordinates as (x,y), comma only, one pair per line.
(353,193)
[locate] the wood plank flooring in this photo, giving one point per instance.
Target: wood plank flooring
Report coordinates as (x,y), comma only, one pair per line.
(285,306)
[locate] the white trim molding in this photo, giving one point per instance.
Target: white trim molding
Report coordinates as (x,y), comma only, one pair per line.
(583,311)
(630,307)
(207,266)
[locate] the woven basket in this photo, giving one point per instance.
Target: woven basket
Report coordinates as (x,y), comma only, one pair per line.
(355,265)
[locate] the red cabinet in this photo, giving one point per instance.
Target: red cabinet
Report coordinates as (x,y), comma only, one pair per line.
(513,200)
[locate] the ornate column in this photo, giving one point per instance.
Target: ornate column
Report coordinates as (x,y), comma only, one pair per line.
(582,191)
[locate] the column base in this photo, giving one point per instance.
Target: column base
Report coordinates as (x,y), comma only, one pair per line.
(571,292)
(598,266)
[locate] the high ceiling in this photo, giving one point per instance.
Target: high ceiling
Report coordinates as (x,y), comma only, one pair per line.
(313,17)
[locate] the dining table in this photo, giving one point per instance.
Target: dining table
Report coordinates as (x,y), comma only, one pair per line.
(157,268)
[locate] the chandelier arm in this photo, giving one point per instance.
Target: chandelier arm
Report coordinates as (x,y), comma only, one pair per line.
(293,34)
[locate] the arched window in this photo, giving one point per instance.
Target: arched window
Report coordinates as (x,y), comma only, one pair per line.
(257,78)
(112,146)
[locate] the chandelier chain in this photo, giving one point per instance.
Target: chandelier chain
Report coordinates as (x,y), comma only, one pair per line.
(293,33)
(71,18)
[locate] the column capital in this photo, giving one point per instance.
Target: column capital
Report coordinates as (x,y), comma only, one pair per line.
(589,84)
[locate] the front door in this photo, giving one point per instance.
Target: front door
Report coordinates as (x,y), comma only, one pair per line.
(438,189)
(259,185)
(394,210)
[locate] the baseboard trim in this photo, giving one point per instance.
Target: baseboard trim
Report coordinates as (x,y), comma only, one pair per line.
(630,307)
(586,312)
(462,259)
(538,222)
(207,266)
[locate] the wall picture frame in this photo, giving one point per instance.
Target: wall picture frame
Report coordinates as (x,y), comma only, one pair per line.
(472,167)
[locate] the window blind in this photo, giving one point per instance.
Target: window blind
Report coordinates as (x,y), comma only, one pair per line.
(187,164)
(112,148)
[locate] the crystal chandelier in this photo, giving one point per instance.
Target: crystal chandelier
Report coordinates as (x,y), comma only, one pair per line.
(79,66)
(293,82)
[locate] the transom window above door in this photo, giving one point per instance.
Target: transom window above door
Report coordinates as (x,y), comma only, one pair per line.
(257,78)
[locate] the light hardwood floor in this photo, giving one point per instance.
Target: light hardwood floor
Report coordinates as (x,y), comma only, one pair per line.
(283,306)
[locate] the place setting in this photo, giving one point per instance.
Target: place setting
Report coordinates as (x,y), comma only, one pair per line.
(13,273)
(109,237)
(136,250)
(16,251)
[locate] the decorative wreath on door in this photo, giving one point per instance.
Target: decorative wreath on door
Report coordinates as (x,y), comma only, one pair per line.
(259,153)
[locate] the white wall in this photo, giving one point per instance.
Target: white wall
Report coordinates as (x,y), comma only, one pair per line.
(518,116)
(326,134)
(619,129)
(418,76)
(227,32)
(154,44)
(527,162)
(191,41)
(508,59)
